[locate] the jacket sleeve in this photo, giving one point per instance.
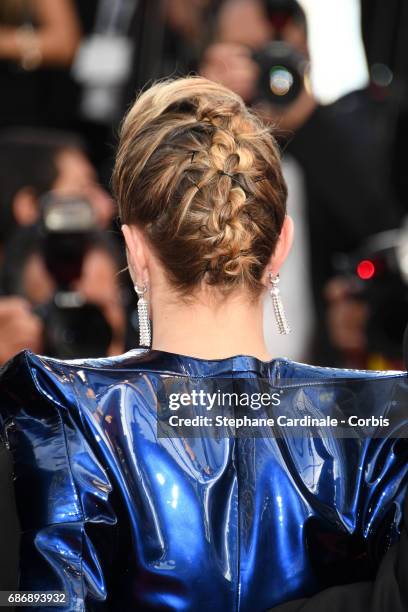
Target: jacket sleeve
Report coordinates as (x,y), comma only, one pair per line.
(61,490)
(388,591)
(373,475)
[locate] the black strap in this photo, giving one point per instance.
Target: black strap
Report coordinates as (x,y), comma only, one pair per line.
(9,526)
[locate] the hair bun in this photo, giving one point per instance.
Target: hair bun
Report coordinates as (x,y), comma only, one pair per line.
(196,191)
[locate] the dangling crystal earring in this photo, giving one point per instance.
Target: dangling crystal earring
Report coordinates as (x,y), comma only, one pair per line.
(143,315)
(280,316)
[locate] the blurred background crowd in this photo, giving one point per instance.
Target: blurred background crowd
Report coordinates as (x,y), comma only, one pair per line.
(329,77)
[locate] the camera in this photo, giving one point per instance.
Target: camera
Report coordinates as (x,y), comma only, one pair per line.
(72,326)
(283,69)
(379,274)
(284,73)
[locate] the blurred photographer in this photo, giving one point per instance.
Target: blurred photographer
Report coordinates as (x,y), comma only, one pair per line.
(67,271)
(250,38)
(344,148)
(368,302)
(35,161)
(41,169)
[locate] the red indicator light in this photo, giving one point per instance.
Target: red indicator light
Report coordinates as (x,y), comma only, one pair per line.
(366,269)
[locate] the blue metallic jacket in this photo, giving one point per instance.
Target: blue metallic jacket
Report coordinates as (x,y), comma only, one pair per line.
(122,520)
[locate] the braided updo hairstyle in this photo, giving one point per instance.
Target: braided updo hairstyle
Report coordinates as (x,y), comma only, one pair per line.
(201,175)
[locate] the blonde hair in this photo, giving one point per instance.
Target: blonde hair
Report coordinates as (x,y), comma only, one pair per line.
(202,176)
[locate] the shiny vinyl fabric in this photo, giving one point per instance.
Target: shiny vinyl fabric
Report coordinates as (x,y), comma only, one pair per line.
(122,520)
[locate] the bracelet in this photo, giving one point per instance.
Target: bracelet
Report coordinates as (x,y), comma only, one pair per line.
(31,56)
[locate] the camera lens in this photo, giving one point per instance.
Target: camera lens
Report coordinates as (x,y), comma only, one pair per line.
(282,73)
(281,80)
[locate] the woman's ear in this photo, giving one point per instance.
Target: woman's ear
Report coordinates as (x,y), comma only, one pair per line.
(136,254)
(282,249)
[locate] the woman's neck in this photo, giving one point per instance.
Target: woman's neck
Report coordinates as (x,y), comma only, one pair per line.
(234,327)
